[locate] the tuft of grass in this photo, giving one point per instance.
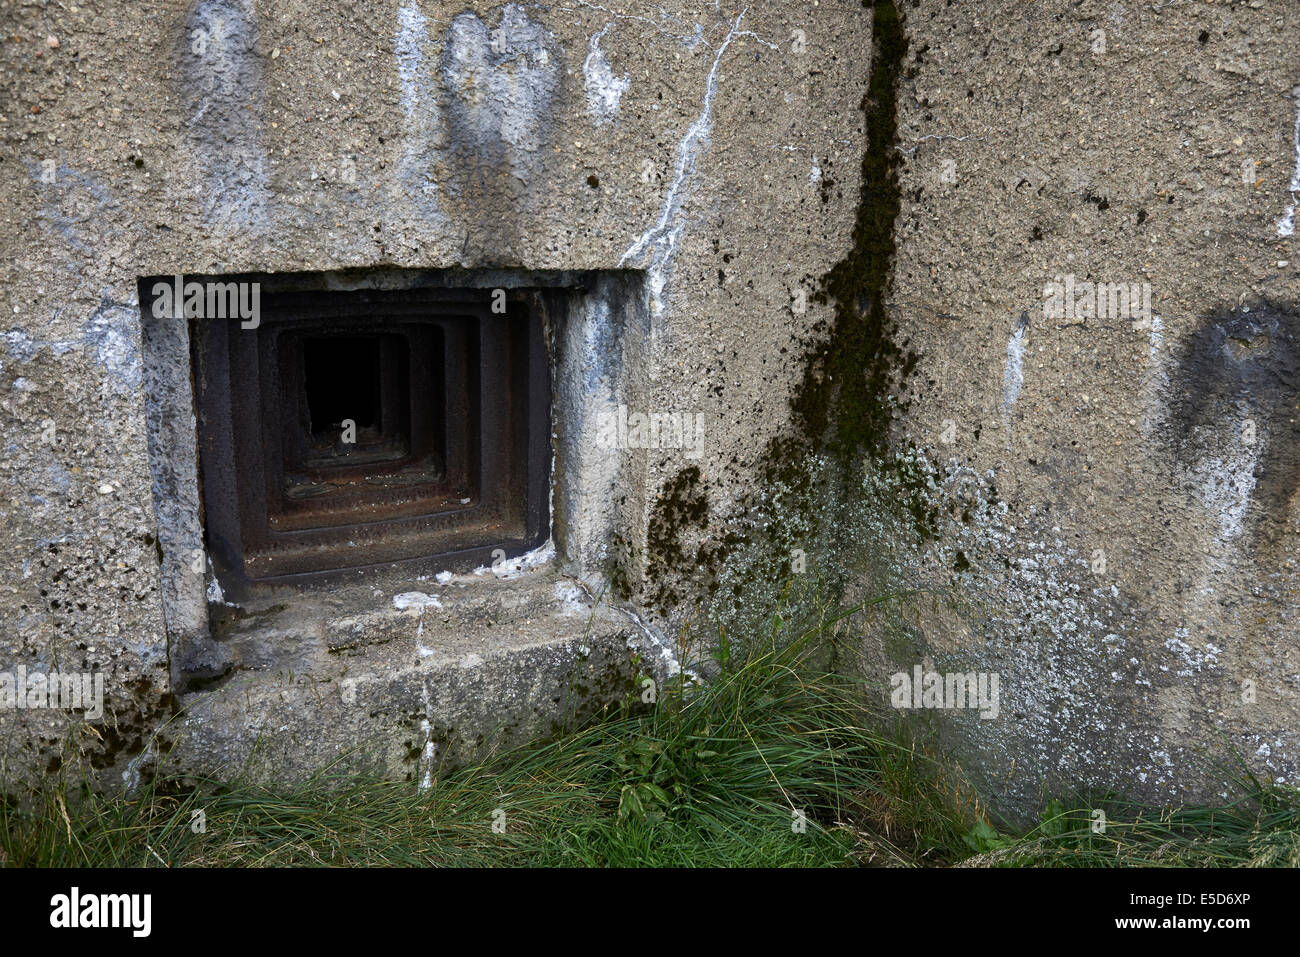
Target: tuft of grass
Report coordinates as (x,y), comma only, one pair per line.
(770,763)
(774,762)
(1258,827)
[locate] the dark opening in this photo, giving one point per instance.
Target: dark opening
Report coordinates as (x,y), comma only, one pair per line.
(332,377)
(341,380)
(449,462)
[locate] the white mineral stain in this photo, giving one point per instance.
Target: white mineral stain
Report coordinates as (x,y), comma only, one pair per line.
(1286,225)
(570,598)
(1013,377)
(604,90)
(417,600)
(660,241)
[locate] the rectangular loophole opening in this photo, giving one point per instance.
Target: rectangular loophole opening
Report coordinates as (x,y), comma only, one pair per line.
(354,428)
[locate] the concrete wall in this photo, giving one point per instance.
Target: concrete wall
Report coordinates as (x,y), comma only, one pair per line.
(690,145)
(1114,499)
(842,218)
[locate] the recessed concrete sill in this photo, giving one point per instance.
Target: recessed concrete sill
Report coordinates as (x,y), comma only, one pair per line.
(402,676)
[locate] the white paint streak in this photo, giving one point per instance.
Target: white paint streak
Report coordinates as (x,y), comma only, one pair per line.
(222,87)
(1158,377)
(667,656)
(131,776)
(426,725)
(1157,338)
(509,568)
(422,132)
(604,90)
(1286,225)
(1013,378)
(417,600)
(659,242)
(1228,482)
(409,45)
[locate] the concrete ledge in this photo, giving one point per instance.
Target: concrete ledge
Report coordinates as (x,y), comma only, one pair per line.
(403,679)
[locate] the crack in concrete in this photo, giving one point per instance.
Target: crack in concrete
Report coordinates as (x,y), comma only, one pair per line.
(662,238)
(941,137)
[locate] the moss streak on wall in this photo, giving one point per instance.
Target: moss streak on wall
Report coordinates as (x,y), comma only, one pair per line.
(852,367)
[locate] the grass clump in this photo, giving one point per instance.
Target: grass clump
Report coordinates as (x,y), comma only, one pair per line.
(772,762)
(1259,826)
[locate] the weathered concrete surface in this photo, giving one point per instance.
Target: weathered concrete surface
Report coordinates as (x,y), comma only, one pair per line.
(1100,511)
(222,135)
(401,678)
(1115,512)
